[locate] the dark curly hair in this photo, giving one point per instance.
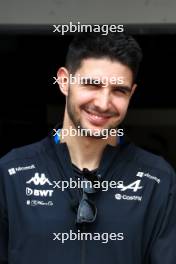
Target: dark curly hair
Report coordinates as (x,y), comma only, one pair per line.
(115,46)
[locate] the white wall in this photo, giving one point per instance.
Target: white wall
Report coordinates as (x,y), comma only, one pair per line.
(87,11)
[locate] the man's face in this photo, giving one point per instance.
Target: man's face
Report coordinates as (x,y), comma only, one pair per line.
(104,105)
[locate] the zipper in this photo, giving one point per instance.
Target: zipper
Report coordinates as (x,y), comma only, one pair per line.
(83,245)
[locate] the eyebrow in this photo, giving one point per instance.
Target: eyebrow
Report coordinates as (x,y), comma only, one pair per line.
(124,88)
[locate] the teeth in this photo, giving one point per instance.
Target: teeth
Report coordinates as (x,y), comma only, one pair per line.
(97,117)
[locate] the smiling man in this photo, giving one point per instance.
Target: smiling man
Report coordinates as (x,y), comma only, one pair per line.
(91,103)
(95,107)
(88,198)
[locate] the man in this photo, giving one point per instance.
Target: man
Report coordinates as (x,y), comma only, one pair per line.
(125,210)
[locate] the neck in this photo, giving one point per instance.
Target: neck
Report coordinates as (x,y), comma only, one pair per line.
(85,152)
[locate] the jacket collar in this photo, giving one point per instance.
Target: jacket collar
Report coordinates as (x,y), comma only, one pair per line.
(112,156)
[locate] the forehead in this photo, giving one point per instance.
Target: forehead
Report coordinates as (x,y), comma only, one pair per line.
(104,67)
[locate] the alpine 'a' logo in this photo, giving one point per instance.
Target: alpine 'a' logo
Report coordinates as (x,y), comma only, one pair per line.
(39,180)
(135,186)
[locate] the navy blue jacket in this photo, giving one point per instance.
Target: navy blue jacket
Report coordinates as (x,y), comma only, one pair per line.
(139,215)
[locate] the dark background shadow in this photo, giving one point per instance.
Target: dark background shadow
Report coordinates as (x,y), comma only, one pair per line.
(30,104)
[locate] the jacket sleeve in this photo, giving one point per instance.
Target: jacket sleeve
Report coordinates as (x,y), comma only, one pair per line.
(164,248)
(3,226)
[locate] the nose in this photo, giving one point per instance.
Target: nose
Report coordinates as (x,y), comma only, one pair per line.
(102,100)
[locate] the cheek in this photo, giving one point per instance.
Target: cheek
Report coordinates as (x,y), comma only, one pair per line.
(83,97)
(121,105)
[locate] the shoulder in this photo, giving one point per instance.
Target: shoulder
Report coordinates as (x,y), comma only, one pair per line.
(30,151)
(151,162)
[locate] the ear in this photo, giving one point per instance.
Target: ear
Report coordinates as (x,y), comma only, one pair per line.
(63,80)
(133,89)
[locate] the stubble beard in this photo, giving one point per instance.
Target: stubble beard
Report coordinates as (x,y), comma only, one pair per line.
(77,123)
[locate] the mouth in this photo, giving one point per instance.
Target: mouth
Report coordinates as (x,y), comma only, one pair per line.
(95,118)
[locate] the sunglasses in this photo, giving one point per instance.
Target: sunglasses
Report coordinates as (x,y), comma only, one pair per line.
(87,211)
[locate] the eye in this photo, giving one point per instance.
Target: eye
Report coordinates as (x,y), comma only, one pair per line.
(92,85)
(118,90)
(122,90)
